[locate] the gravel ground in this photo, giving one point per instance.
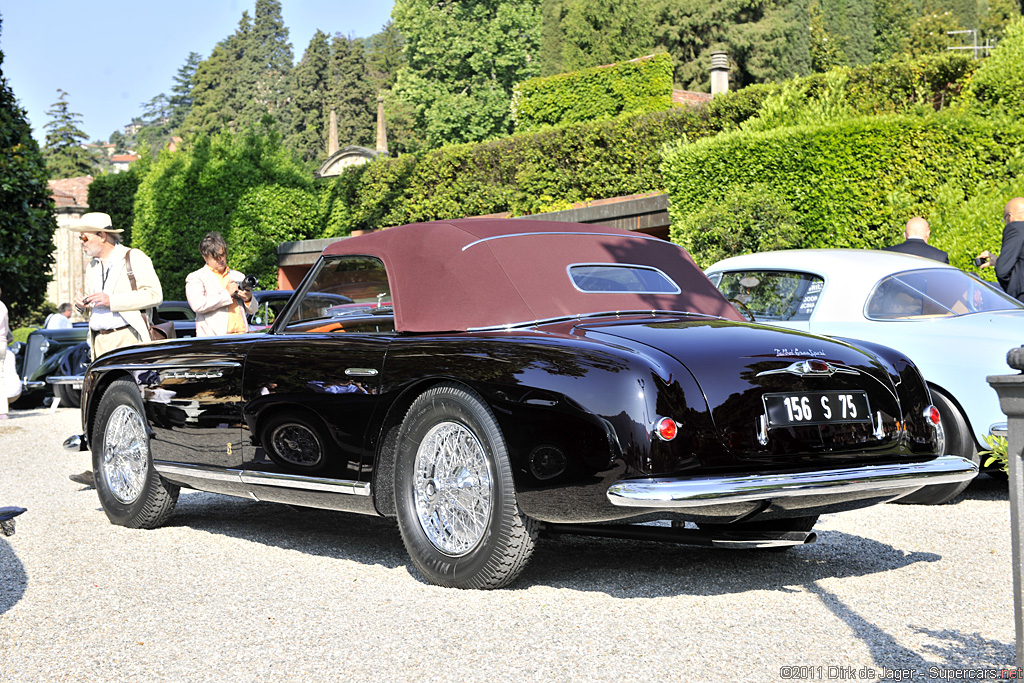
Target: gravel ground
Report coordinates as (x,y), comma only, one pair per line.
(236,590)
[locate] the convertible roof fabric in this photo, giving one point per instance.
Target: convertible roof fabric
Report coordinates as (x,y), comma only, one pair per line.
(479,272)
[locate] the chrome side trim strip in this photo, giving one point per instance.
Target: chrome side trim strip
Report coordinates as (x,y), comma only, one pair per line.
(588,234)
(291,481)
(181,363)
(697,492)
(295,481)
(197,471)
(582,316)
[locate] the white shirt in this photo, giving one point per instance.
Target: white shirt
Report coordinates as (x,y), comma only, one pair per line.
(102,318)
(58,321)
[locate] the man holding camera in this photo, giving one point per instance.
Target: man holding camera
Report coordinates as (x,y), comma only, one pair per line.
(216,293)
(1009,263)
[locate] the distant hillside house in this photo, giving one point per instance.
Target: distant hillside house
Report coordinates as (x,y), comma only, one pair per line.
(122,161)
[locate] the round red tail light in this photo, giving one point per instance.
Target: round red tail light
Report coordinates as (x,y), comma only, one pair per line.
(666,429)
(931,413)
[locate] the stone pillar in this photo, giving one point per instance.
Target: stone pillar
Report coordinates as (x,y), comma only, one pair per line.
(719,72)
(382,133)
(1011,399)
(332,135)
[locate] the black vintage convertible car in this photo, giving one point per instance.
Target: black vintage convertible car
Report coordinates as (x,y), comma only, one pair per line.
(486,380)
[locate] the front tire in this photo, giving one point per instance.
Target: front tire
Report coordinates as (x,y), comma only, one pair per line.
(958,441)
(69,396)
(130,490)
(455,496)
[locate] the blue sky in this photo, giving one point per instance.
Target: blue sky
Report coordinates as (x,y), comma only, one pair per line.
(110,56)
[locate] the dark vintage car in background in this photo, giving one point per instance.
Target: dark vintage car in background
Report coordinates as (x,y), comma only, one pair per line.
(55,360)
(491,379)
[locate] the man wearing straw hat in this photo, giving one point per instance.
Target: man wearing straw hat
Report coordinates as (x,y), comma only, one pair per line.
(120,286)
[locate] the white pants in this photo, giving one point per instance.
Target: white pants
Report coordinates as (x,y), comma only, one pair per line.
(3,382)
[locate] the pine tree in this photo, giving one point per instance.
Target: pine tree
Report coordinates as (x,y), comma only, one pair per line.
(597,32)
(27,221)
(180,100)
(264,65)
(384,57)
(351,92)
(63,151)
(212,109)
(307,135)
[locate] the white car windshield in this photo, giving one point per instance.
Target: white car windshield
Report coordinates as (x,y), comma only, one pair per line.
(938,293)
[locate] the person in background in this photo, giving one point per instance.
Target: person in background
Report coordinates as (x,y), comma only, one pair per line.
(915,241)
(1010,261)
(5,336)
(221,306)
(61,320)
(122,286)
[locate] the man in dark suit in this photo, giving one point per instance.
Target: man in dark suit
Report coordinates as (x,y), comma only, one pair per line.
(915,241)
(1010,262)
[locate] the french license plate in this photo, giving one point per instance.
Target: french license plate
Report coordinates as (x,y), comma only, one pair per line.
(817,407)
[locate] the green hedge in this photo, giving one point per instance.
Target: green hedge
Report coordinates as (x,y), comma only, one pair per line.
(638,86)
(114,194)
(851,183)
(245,186)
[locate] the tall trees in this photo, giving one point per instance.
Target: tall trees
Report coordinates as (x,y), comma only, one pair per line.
(180,101)
(63,151)
(351,92)
(246,76)
(26,211)
(307,134)
(462,60)
(600,32)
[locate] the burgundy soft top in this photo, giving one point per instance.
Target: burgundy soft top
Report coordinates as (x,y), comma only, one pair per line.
(473,273)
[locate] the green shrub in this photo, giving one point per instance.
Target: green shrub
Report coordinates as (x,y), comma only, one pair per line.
(200,188)
(997,453)
(638,86)
(264,217)
(114,194)
(851,183)
(746,220)
(998,84)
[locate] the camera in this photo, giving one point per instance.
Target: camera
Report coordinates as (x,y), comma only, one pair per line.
(249,283)
(979,260)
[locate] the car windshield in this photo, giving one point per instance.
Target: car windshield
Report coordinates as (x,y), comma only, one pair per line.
(343,287)
(771,295)
(935,293)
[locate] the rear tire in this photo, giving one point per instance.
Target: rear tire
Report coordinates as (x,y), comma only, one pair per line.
(455,496)
(130,490)
(959,441)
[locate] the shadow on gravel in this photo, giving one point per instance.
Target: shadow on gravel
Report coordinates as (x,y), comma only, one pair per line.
(985,487)
(958,650)
(327,533)
(620,568)
(13,578)
(627,569)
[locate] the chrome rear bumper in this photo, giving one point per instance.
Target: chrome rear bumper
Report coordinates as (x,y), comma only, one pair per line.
(699,492)
(74,380)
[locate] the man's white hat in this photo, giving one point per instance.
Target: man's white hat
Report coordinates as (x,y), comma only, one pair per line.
(93,222)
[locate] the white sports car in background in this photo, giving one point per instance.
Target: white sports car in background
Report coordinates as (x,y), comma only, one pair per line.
(955,327)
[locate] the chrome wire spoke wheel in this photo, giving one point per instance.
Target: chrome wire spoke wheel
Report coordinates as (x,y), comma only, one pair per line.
(125,454)
(452,488)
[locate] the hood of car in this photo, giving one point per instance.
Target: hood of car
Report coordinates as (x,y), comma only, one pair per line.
(773,391)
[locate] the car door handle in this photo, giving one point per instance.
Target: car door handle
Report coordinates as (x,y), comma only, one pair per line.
(360,372)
